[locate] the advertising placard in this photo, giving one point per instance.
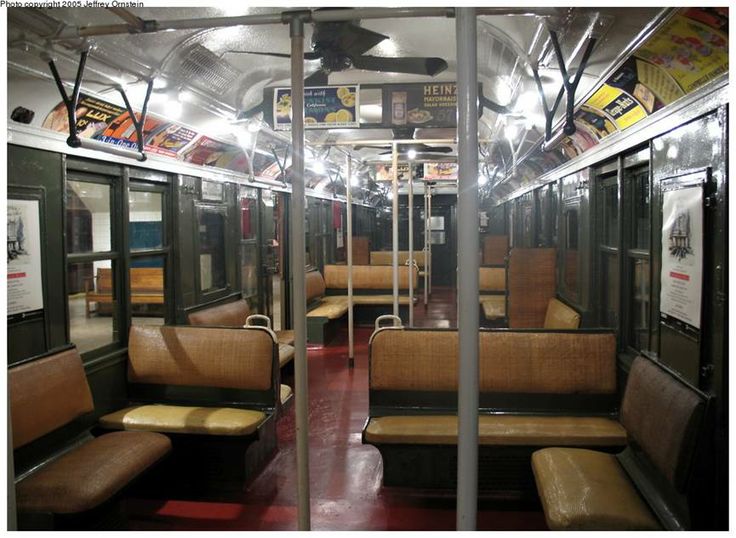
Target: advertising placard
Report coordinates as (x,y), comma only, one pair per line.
(207,151)
(384,172)
(618,105)
(688,50)
(420,104)
(121,132)
(169,139)
(682,253)
(93,117)
(325,107)
(440,171)
(25,283)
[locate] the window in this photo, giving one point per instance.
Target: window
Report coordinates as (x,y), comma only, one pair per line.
(93,282)
(607,232)
(249,244)
(148,253)
(637,246)
(570,252)
(212,270)
(145,223)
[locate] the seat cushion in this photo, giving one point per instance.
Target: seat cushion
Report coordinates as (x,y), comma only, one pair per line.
(494,306)
(90,474)
(285,336)
(286,353)
(183,419)
(46,394)
(560,316)
(332,307)
(226,315)
(378,299)
(506,430)
(286,394)
(588,490)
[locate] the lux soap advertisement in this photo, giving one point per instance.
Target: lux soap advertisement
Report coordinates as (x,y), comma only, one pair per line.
(325,107)
(682,254)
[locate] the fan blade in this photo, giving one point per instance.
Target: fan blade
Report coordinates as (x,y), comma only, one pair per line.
(355,40)
(415,66)
(307,55)
(247,114)
(358,148)
(318,78)
(432,149)
(344,37)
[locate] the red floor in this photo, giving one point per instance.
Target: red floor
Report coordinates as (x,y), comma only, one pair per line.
(345,475)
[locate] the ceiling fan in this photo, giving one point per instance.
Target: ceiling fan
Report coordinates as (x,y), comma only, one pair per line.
(340,46)
(403,134)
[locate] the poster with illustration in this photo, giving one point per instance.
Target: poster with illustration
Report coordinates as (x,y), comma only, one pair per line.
(690,51)
(121,132)
(682,252)
(431,104)
(207,151)
(93,117)
(440,171)
(169,139)
(385,172)
(617,105)
(325,107)
(25,284)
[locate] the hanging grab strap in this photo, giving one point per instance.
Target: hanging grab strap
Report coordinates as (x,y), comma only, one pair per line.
(71,103)
(568,86)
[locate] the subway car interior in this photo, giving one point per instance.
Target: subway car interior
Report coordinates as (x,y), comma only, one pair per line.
(367,268)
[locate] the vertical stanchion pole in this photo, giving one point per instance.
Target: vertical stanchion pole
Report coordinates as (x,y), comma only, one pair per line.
(468,263)
(411,246)
(395,224)
(426,243)
(429,225)
(299,302)
(349,198)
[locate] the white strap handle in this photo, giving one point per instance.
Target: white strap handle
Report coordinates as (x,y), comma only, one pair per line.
(253,317)
(266,327)
(395,319)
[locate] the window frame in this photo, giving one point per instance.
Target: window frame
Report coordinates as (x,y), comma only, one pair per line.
(118,235)
(635,160)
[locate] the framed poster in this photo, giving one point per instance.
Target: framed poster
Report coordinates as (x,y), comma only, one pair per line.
(682,249)
(24,276)
(325,107)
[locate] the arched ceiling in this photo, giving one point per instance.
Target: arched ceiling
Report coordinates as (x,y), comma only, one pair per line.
(223,84)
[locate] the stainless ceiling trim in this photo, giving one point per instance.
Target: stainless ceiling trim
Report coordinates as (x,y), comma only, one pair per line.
(706,99)
(328,15)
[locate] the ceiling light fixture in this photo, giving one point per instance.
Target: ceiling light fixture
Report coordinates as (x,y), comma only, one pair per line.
(244,138)
(411,154)
(173,109)
(511,131)
(318,167)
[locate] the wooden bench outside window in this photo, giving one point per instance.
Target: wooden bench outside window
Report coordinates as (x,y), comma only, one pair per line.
(146,288)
